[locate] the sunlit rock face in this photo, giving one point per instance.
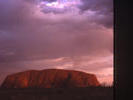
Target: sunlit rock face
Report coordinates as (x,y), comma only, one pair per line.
(50,78)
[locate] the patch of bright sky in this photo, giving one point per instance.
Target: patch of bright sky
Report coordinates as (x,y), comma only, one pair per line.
(60,4)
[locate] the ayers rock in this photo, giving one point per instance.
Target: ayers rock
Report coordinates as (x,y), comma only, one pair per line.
(50,78)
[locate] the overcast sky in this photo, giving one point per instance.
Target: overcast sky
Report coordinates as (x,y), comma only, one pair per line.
(65,34)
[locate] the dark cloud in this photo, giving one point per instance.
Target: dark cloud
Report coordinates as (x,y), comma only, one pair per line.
(46,9)
(19,8)
(101,7)
(49,0)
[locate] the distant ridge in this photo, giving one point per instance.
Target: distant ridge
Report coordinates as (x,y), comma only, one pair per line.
(50,78)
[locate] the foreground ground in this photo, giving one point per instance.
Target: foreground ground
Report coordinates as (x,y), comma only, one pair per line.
(90,93)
